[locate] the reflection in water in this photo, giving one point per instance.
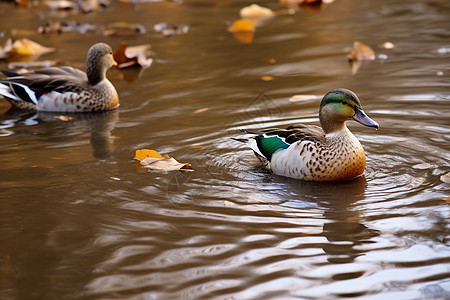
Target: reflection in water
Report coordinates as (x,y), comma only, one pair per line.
(64,125)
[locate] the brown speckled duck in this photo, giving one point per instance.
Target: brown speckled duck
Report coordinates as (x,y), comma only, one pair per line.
(65,89)
(308,152)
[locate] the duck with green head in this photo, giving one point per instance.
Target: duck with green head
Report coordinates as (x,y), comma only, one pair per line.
(308,152)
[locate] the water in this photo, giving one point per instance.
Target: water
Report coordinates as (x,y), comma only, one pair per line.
(80,221)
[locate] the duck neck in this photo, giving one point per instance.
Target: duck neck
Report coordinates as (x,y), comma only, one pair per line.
(95,73)
(332,126)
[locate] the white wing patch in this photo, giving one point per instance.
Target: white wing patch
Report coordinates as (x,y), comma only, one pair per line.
(8,92)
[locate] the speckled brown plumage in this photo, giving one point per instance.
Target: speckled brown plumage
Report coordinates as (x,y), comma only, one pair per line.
(65,89)
(309,152)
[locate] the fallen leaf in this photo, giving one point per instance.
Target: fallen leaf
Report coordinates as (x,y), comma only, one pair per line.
(361,52)
(66,26)
(387,45)
(151,159)
(200,110)
(445,178)
(255,12)
(241,25)
(422,166)
(26,47)
(63,118)
(166,30)
(298,98)
(129,56)
(243,30)
(245,37)
(267,78)
(124,29)
(60,4)
(142,154)
(196,147)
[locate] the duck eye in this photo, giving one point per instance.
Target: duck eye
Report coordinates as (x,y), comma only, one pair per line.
(344,102)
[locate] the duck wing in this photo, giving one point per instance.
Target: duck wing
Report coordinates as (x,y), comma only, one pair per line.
(32,85)
(271,140)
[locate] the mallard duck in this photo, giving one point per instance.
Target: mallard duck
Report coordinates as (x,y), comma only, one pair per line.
(308,152)
(65,89)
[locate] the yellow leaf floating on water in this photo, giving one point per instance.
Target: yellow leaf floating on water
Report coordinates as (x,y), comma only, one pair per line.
(242,25)
(142,154)
(26,47)
(150,159)
(267,78)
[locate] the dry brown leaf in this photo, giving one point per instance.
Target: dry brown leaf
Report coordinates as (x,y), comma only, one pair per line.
(361,52)
(129,56)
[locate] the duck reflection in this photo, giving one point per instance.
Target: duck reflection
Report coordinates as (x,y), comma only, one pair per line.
(344,227)
(64,126)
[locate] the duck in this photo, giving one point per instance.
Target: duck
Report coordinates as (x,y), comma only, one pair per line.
(312,153)
(65,89)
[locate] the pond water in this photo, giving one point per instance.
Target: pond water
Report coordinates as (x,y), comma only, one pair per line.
(80,221)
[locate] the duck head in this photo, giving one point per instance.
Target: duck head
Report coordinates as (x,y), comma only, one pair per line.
(339,106)
(99,60)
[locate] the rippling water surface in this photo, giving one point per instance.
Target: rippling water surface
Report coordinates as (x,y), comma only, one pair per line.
(80,221)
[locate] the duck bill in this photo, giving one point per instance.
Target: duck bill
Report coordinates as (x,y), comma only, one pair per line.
(361,117)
